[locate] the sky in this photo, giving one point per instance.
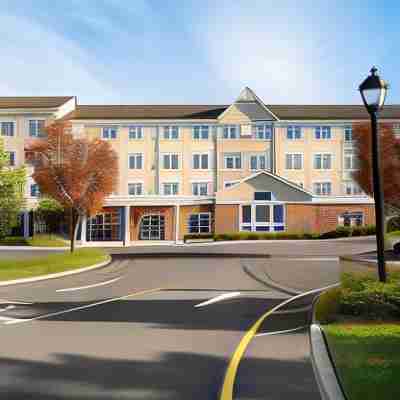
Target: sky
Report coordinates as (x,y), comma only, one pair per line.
(198,52)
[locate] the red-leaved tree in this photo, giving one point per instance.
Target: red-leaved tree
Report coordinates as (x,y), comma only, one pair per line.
(79,173)
(390,161)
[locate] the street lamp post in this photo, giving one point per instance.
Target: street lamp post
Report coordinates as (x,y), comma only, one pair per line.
(373,92)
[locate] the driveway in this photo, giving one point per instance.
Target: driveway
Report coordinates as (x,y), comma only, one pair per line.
(163,328)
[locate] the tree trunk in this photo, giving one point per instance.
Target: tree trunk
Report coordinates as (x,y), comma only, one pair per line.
(72,227)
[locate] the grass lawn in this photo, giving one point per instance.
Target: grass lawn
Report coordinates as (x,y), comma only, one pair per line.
(367,356)
(39,240)
(43,265)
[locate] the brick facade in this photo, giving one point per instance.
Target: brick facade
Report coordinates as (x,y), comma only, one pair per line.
(185,211)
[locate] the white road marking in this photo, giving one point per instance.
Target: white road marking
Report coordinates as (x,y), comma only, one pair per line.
(5,301)
(216,299)
(15,321)
(305,258)
(280,332)
(7,308)
(89,286)
(9,320)
(294,310)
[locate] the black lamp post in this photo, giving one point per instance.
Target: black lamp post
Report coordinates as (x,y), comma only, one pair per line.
(373,92)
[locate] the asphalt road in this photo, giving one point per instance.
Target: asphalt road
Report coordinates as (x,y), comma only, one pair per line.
(135,330)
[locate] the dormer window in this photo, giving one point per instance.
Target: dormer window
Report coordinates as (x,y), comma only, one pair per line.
(262,196)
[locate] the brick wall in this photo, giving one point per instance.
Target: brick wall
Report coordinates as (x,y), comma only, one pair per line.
(185,211)
(226,218)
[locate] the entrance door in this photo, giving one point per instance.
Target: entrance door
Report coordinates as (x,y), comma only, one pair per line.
(152,227)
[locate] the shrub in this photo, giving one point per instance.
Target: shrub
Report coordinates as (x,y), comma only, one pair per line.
(327,306)
(393,224)
(195,236)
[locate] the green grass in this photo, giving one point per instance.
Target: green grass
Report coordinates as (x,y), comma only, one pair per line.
(367,358)
(13,241)
(43,265)
(39,240)
(393,234)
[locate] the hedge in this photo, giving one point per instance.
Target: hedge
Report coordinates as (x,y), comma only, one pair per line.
(340,231)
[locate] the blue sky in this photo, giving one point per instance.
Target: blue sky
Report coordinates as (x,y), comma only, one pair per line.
(200,52)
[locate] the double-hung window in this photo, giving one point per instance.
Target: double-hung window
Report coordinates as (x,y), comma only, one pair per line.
(294,161)
(136,161)
(293,132)
(350,160)
(171,132)
(199,223)
(262,218)
(230,132)
(135,189)
(200,161)
(352,189)
(170,189)
(135,132)
(322,161)
(323,132)
(34,189)
(323,188)
(351,218)
(109,133)
(201,132)
(170,161)
(233,161)
(262,132)
(258,161)
(11,158)
(348,134)
(200,188)
(7,128)
(36,127)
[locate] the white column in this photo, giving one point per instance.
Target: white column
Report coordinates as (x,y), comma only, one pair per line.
(83,230)
(127,237)
(177,212)
(26,224)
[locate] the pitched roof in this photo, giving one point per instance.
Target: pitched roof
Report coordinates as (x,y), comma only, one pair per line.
(146,112)
(33,102)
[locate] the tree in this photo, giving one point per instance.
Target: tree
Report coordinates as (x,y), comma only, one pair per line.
(12,183)
(49,211)
(77,172)
(390,161)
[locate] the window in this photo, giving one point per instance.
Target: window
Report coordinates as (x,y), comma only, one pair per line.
(348,134)
(352,189)
(170,189)
(7,128)
(230,132)
(104,226)
(262,218)
(293,132)
(322,161)
(294,161)
(171,132)
(351,218)
(201,132)
(199,223)
(200,161)
(11,158)
(109,133)
(322,132)
(262,132)
(350,160)
(323,188)
(170,161)
(136,161)
(200,188)
(233,161)
(35,190)
(228,184)
(135,189)
(36,127)
(263,196)
(258,161)
(152,227)
(136,132)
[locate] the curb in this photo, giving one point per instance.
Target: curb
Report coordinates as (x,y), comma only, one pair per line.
(28,248)
(56,275)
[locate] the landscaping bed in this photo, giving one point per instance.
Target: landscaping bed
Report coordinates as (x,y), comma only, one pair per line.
(50,264)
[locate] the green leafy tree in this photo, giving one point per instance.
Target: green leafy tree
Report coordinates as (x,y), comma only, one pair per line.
(51,212)
(12,182)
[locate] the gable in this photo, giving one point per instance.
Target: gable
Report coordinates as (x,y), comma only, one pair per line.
(234,115)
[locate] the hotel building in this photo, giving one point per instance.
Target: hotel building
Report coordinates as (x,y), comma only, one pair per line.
(247,166)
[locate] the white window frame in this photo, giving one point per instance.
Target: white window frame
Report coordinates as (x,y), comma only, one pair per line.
(266,131)
(135,183)
(322,155)
(324,130)
(163,155)
(199,183)
(200,161)
(6,132)
(109,129)
(234,156)
(14,157)
(228,129)
(355,189)
(253,224)
(168,130)
(293,129)
(36,124)
(170,183)
(258,155)
(341,218)
(292,162)
(345,131)
(208,214)
(135,132)
(206,128)
(135,155)
(353,155)
(322,183)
